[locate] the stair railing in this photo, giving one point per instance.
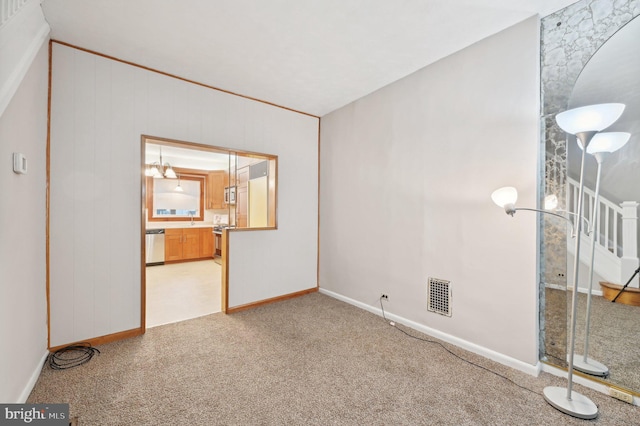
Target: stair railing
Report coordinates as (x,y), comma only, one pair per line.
(615,230)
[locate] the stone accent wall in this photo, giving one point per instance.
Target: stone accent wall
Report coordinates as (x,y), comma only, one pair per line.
(569,38)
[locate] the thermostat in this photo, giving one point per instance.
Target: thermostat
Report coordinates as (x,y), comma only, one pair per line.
(19,163)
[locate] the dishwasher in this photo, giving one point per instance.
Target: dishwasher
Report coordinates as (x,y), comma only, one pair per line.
(154,247)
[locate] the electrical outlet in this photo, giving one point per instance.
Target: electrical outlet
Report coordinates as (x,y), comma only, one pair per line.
(384,296)
(621,395)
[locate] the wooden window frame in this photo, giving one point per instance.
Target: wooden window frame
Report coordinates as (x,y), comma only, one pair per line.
(185,174)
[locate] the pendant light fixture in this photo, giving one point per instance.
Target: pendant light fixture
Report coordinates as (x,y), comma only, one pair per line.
(179,188)
(160,170)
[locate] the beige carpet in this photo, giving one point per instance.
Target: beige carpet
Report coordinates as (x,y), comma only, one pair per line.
(312,360)
(614,335)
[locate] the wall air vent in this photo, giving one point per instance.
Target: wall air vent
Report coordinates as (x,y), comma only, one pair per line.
(439,296)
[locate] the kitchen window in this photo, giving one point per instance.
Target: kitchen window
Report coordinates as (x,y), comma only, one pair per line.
(176,199)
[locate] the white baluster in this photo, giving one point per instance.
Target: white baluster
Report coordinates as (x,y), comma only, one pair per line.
(606,231)
(629,241)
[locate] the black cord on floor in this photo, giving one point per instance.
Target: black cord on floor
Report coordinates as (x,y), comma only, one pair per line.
(72,356)
(453,353)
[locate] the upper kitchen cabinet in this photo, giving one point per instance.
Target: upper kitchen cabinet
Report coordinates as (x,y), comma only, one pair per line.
(216,182)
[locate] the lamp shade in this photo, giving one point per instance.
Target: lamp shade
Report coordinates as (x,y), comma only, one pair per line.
(506,195)
(607,142)
(591,118)
(169,173)
(550,202)
(156,172)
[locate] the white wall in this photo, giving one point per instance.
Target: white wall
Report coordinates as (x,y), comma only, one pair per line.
(23,30)
(100,108)
(406,178)
(23,308)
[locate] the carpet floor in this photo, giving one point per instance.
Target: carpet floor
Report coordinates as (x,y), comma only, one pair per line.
(613,335)
(312,360)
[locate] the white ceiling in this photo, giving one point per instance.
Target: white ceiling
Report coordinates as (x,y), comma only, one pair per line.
(618,60)
(186,157)
(312,56)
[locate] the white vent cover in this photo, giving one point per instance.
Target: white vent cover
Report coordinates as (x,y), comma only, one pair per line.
(439,296)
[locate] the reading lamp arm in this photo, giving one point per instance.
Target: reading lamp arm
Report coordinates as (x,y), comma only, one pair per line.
(512,211)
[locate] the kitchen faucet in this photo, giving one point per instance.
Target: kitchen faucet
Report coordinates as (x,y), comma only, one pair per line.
(191,216)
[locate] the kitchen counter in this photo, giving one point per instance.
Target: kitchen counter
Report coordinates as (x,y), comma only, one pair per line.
(170,225)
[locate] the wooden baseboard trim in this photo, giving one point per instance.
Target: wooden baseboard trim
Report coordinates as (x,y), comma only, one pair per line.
(105,339)
(272,300)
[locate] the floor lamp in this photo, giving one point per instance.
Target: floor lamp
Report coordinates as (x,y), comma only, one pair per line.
(584,122)
(601,145)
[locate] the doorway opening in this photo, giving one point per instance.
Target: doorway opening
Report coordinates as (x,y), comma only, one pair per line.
(192,194)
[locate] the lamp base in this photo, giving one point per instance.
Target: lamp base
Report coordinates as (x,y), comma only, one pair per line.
(578,406)
(590,366)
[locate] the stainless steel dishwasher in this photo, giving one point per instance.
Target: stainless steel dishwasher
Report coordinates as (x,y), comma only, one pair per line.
(154,247)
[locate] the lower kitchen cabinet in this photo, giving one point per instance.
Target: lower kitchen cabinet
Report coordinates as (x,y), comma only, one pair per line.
(206,242)
(188,244)
(173,242)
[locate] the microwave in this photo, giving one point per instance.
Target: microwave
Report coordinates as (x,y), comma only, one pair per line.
(230,195)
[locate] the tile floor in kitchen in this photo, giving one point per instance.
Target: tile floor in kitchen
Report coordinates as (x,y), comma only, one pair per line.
(182,291)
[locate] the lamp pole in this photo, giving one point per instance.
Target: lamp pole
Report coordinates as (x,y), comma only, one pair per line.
(573,403)
(585,123)
(585,138)
(584,363)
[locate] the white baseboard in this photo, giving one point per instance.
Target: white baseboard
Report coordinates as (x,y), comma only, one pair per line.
(32,380)
(533,370)
(570,288)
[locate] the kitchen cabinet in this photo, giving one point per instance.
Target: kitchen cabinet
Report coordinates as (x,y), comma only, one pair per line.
(242,198)
(191,247)
(172,244)
(206,242)
(216,182)
(187,244)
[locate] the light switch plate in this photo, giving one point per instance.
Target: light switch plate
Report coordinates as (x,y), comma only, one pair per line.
(19,163)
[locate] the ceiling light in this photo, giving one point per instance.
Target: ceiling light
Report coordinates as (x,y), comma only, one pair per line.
(169,173)
(179,186)
(159,169)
